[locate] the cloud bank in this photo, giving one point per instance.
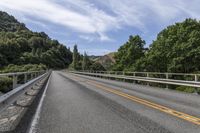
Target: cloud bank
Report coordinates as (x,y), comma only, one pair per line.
(99,17)
(93,20)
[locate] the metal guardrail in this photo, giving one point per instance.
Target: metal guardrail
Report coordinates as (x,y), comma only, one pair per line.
(12,96)
(146,78)
(194,77)
(26,75)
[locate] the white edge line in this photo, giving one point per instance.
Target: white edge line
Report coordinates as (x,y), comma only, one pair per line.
(36,117)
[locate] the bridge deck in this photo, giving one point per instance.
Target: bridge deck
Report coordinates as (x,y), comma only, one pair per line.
(75,103)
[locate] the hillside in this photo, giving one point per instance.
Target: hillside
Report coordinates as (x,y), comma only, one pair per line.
(93,57)
(9,23)
(106,61)
(21,46)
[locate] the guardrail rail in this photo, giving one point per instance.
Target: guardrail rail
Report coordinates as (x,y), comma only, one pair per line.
(180,79)
(27,76)
(13,95)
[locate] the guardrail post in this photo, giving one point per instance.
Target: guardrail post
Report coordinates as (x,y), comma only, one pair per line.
(31,76)
(134,76)
(124,75)
(35,75)
(148,77)
(196,78)
(109,73)
(14,81)
(147,74)
(100,74)
(116,73)
(167,77)
(25,78)
(94,73)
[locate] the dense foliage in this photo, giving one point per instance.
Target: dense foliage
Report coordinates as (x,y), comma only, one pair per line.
(23,68)
(96,66)
(83,62)
(129,53)
(20,46)
(176,49)
(24,50)
(86,62)
(9,23)
(5,84)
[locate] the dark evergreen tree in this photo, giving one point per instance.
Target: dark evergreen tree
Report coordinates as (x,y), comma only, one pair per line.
(75,57)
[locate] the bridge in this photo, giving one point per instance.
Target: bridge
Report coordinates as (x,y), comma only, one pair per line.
(100,102)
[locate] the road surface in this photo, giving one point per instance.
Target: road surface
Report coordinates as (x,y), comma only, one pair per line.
(81,104)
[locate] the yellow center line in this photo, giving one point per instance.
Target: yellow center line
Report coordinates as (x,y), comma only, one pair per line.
(167,110)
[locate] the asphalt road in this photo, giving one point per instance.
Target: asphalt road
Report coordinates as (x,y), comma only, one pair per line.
(82,104)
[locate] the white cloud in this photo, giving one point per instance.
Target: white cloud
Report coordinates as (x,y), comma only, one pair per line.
(85,37)
(92,21)
(49,11)
(95,51)
(28,20)
(138,13)
(95,21)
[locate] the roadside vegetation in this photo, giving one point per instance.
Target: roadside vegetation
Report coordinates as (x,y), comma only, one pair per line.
(84,63)
(20,46)
(176,50)
(23,68)
(5,84)
(23,50)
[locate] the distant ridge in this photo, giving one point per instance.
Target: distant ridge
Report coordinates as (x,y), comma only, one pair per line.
(106,60)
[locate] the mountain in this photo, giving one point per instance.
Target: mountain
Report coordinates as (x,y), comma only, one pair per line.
(9,23)
(21,46)
(106,61)
(93,57)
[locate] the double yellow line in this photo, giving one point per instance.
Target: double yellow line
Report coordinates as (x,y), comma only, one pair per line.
(167,110)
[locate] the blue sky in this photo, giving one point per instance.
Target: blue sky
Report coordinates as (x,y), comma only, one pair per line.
(100,26)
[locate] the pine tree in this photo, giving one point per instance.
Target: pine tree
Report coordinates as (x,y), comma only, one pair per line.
(75,57)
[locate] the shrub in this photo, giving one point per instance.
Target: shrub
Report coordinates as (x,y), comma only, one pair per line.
(186,89)
(5,84)
(23,68)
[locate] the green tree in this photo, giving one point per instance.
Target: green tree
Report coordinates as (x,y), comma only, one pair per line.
(176,49)
(129,53)
(96,66)
(86,62)
(20,46)
(75,57)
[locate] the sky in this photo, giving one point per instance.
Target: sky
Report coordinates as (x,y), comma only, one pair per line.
(100,26)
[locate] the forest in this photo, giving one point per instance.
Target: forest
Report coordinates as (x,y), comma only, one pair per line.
(23,50)
(176,49)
